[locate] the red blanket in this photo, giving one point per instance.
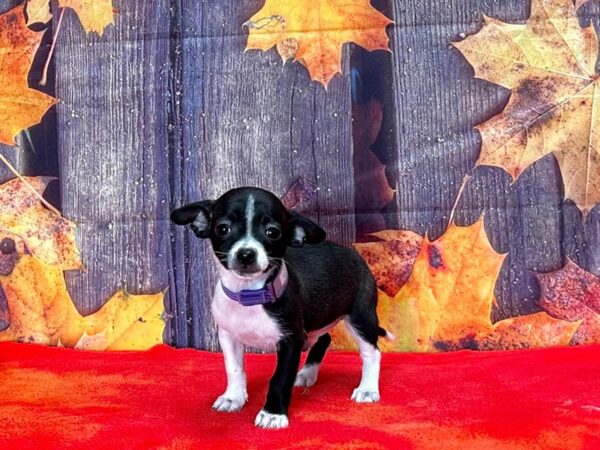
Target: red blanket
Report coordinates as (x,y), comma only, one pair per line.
(58,398)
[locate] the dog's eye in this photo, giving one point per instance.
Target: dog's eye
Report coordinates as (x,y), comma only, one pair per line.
(273,233)
(222,229)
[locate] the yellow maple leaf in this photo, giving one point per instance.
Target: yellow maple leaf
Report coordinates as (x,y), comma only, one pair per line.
(313,31)
(20,106)
(41,311)
(452,285)
(95,15)
(46,235)
(38,11)
(549,65)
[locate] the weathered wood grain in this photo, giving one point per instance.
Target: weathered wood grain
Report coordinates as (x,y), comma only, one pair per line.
(113,148)
(437,103)
(248,120)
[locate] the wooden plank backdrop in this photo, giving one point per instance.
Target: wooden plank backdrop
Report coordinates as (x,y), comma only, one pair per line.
(113,149)
(167,108)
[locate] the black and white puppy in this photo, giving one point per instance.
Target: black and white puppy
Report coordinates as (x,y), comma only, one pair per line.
(275,293)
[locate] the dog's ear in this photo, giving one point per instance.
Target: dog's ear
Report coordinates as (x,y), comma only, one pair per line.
(305,231)
(197,215)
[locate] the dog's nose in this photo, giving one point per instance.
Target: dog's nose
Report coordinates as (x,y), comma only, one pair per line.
(246,255)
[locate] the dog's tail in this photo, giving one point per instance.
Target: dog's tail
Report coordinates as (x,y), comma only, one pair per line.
(386,334)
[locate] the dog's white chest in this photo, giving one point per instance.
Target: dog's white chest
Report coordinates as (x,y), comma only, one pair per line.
(250,325)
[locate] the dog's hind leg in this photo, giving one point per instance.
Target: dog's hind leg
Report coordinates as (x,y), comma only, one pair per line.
(307,376)
(363,324)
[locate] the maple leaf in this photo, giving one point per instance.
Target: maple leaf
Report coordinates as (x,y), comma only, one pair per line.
(46,235)
(38,11)
(314,31)
(95,15)
(447,301)
(41,311)
(573,294)
(20,106)
(391,258)
(549,65)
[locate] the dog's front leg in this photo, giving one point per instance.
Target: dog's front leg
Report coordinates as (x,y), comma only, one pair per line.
(274,413)
(236,395)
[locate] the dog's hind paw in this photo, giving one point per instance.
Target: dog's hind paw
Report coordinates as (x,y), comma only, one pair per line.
(307,376)
(268,420)
(227,403)
(362,396)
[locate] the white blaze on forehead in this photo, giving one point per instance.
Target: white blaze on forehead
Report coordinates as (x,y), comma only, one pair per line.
(249,241)
(249,214)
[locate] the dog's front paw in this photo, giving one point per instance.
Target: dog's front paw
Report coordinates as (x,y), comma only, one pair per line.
(268,420)
(364,396)
(307,376)
(230,403)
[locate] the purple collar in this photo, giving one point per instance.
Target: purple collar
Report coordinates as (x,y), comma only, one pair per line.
(269,293)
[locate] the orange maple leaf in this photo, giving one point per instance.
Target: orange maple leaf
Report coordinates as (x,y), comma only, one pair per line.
(20,106)
(313,31)
(46,235)
(549,65)
(41,311)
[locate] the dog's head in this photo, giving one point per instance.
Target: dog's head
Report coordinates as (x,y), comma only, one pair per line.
(249,229)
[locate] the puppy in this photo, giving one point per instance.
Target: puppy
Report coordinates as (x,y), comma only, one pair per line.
(275,293)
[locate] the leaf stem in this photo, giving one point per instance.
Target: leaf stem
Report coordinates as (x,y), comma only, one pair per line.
(45,71)
(458,196)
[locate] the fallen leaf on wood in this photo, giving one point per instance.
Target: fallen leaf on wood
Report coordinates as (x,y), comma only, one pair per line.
(24,219)
(38,11)
(573,294)
(313,31)
(20,106)
(41,311)
(95,15)
(452,285)
(549,65)
(391,258)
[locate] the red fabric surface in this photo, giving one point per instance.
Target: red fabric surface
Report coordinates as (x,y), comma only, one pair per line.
(59,398)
